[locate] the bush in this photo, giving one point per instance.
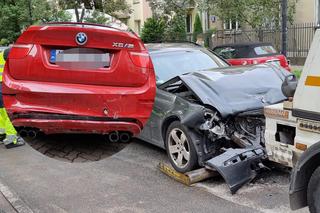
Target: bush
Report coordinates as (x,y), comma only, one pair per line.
(297,73)
(197,28)
(208,37)
(153,30)
(176,28)
(4,42)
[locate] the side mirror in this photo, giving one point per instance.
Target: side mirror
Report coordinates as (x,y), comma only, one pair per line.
(289,85)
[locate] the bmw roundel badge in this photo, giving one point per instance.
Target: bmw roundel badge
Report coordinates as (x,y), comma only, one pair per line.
(81,38)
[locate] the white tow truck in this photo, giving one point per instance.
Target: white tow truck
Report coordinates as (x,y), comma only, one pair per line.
(293,132)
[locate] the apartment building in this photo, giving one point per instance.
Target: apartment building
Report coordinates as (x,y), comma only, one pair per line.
(140,12)
(307,11)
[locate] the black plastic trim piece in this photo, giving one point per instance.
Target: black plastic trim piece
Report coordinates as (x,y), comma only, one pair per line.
(306,114)
(48,116)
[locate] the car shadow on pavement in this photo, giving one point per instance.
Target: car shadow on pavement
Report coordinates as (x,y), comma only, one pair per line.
(76,148)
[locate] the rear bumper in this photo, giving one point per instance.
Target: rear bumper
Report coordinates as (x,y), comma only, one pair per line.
(51,126)
(71,108)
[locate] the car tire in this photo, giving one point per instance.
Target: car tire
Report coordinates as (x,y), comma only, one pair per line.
(180,148)
(314,192)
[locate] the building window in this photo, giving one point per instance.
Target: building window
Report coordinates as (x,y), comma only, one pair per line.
(206,23)
(189,23)
(231,25)
(138,26)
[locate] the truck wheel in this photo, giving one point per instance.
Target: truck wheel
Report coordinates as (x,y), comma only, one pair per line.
(180,149)
(314,192)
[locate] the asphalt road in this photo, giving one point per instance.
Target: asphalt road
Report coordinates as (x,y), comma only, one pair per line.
(127,181)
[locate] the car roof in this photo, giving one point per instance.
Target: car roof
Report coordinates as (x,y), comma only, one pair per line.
(167,47)
(248,44)
(172,46)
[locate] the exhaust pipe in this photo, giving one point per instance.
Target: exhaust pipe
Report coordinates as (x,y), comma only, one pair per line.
(23,133)
(125,137)
(114,137)
(32,134)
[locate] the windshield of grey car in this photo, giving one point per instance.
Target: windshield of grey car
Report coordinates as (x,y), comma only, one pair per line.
(170,64)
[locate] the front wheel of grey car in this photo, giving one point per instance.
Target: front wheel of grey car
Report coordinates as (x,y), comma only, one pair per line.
(180,149)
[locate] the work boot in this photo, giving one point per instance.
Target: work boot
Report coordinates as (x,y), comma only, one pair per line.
(2,137)
(2,134)
(13,141)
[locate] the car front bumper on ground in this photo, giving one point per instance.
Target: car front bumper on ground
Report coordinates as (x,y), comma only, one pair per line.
(237,166)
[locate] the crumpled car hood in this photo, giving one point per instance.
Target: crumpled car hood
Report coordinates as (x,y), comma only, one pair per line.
(234,90)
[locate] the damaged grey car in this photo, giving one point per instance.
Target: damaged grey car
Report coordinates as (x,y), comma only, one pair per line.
(208,114)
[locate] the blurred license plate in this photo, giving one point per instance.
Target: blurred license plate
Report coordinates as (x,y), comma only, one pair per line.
(80,58)
(53,55)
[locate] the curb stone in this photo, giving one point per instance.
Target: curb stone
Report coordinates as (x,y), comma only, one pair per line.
(19,205)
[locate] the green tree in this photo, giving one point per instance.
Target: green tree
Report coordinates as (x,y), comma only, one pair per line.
(174,15)
(197,28)
(255,13)
(4,42)
(97,17)
(153,30)
(16,15)
(10,22)
(114,8)
(176,28)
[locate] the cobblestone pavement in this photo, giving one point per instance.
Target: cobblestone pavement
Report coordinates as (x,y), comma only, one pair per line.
(75,148)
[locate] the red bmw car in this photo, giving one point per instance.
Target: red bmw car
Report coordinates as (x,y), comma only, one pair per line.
(79,78)
(251,53)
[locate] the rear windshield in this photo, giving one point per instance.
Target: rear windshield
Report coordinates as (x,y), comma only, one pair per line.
(264,50)
(174,63)
(245,51)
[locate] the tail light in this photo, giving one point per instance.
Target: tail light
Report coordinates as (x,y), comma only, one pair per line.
(19,51)
(140,59)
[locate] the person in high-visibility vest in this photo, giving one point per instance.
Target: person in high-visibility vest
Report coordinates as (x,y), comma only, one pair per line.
(8,134)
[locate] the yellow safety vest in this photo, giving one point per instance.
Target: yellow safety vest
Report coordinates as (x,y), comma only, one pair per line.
(2,62)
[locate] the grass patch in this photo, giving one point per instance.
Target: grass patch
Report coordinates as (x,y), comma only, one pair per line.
(297,73)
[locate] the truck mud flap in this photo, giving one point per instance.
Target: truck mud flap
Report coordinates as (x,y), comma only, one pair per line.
(237,166)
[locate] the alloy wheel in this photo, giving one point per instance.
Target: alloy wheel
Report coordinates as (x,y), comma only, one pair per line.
(179,148)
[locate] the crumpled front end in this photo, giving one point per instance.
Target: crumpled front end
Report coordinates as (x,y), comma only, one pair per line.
(233,147)
(231,123)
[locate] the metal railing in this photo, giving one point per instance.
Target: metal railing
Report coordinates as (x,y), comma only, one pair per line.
(207,38)
(300,37)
